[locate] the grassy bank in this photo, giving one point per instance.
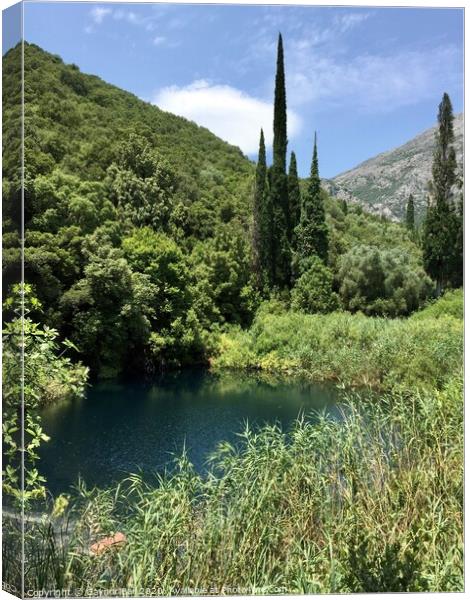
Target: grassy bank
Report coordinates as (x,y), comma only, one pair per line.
(418,352)
(369,503)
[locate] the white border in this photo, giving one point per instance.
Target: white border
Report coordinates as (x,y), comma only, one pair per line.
(436,4)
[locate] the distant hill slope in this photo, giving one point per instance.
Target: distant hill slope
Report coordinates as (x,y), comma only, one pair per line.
(74,121)
(382,184)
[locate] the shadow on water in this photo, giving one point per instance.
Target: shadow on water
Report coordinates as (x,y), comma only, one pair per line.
(123,427)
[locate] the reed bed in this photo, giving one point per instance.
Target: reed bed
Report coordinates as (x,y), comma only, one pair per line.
(355,350)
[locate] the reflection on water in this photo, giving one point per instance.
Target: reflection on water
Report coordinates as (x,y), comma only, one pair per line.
(126,427)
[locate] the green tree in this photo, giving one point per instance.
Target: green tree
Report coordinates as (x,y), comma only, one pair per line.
(175,329)
(410,213)
(381,282)
(159,257)
(222,288)
(312,231)
(440,231)
(262,223)
(295,199)
(278,179)
(313,291)
(110,311)
(142,184)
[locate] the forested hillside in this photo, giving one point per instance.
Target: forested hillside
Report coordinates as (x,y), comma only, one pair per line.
(139,227)
(100,162)
(76,121)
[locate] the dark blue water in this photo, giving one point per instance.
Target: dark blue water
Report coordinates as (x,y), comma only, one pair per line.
(119,428)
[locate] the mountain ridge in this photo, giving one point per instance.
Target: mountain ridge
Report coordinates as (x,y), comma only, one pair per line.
(383,183)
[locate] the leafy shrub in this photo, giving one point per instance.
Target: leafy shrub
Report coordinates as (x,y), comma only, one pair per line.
(313,291)
(451,304)
(35,372)
(381,282)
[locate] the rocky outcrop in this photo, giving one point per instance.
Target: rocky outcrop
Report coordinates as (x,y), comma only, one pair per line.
(382,184)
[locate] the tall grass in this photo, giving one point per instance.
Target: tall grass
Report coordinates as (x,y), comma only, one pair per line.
(353,349)
(371,502)
(450,304)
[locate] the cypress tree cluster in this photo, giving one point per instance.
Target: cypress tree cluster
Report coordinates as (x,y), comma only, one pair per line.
(443,240)
(286,228)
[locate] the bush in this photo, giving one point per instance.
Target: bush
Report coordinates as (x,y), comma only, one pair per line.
(382,282)
(313,291)
(35,372)
(450,304)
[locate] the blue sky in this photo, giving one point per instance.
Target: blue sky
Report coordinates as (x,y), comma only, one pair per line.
(367,79)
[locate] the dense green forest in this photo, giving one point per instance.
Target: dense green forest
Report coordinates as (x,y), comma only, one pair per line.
(104,171)
(140,227)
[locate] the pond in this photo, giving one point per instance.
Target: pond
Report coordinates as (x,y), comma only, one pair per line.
(120,428)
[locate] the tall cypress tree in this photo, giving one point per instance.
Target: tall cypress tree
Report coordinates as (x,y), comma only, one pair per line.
(280,111)
(293,190)
(278,178)
(312,231)
(262,222)
(444,164)
(410,213)
(439,226)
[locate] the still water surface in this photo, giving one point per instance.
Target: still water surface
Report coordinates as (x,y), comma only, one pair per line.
(119,428)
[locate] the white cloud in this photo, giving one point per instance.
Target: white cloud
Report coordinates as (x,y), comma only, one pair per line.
(99,13)
(371,82)
(228,112)
(306,41)
(158,40)
(128,15)
(136,18)
(327,67)
(301,35)
(347,21)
